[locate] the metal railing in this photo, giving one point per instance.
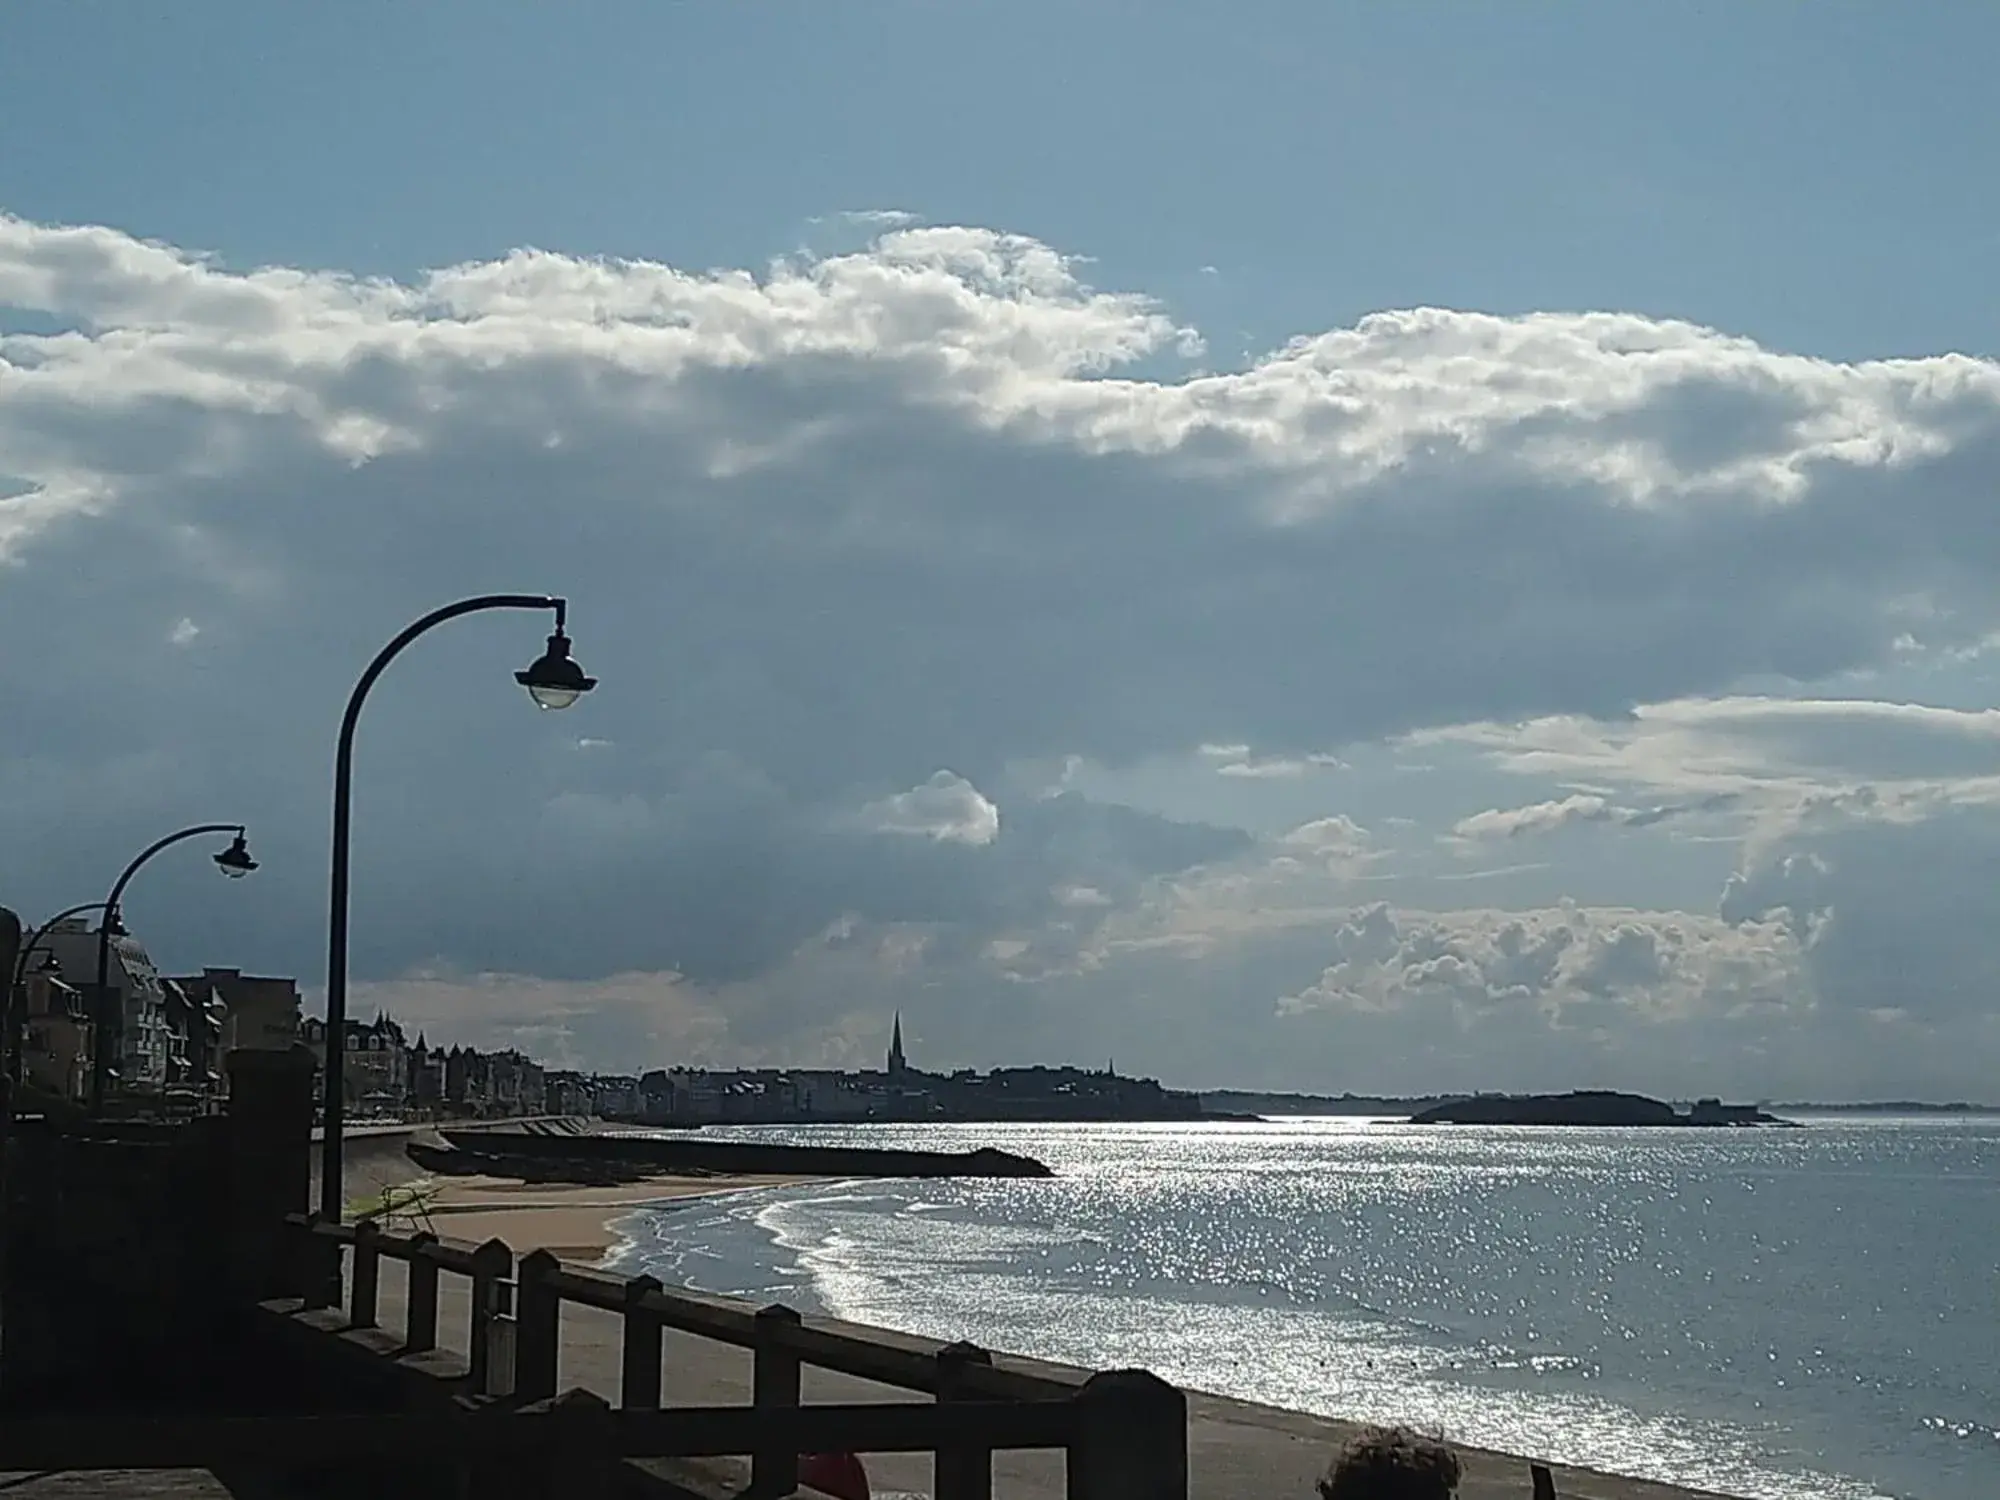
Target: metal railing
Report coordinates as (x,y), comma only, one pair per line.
(1124,1433)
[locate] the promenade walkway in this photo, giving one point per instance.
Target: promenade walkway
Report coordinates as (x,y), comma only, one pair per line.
(113,1484)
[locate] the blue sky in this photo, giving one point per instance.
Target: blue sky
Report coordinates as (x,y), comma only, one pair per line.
(1815,177)
(1300,545)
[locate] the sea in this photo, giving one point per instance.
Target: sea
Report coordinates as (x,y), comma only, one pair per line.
(1804,1314)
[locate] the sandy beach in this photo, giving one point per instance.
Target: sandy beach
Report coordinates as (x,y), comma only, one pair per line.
(572,1221)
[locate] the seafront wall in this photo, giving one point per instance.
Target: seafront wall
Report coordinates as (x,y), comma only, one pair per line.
(373,1157)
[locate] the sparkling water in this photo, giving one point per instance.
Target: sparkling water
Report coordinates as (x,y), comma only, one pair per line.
(1767,1313)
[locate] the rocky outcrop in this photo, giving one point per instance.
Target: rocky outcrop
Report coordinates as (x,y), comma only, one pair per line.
(1586,1107)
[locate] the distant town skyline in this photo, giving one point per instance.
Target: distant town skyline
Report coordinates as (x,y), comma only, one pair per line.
(1309,548)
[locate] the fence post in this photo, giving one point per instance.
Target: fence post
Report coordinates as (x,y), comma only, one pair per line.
(1543,1480)
(297,1256)
(321,1266)
(367,1274)
(420,1302)
(639,1382)
(582,1462)
(774,1386)
(964,1469)
(538,1328)
(1131,1441)
(491,1263)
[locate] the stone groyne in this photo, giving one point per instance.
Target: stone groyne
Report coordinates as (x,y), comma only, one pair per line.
(574,1156)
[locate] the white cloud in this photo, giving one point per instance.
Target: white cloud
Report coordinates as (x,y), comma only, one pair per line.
(1744,745)
(1600,990)
(1539,817)
(1338,834)
(947,808)
(1250,768)
(1081,895)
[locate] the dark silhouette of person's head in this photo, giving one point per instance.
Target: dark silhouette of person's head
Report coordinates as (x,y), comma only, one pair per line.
(1392,1463)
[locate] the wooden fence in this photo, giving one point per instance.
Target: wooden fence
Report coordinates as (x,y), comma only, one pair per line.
(1124,1433)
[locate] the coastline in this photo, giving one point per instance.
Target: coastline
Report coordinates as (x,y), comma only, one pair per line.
(1235,1446)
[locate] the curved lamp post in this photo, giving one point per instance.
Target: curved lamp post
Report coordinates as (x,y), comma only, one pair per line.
(235,862)
(553,681)
(34,939)
(15,998)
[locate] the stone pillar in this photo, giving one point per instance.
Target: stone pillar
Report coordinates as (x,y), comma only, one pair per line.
(269,1163)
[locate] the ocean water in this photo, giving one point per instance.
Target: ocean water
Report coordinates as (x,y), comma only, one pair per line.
(1771,1313)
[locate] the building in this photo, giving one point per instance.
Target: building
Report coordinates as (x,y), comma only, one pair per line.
(260,1014)
(615,1097)
(375,1076)
(567,1093)
(142,1044)
(426,1077)
(464,1080)
(899,1092)
(194,1042)
(515,1086)
(57,1038)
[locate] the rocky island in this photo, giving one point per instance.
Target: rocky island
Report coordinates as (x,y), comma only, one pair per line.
(1588,1107)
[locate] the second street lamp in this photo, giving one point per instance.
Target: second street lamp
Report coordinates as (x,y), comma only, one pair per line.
(16,996)
(554,681)
(235,862)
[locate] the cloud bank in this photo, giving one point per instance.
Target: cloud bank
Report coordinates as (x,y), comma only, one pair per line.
(831,525)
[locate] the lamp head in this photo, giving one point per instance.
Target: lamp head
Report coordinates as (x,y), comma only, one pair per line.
(235,861)
(553,680)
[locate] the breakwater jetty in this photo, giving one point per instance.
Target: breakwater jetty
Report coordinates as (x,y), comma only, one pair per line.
(573,1154)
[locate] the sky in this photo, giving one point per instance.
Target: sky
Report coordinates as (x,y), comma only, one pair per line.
(1290,546)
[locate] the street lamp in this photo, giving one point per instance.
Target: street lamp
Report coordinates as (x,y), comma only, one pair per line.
(235,862)
(16,995)
(554,681)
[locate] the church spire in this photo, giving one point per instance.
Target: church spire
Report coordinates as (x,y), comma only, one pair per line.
(897,1064)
